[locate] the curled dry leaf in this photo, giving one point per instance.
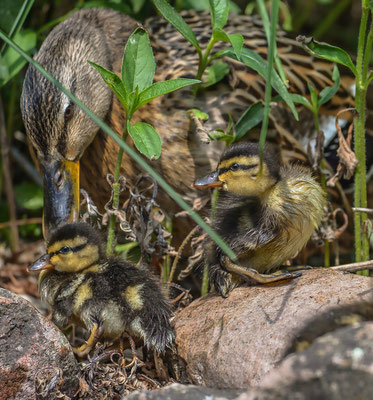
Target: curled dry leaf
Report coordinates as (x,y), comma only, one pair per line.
(347,158)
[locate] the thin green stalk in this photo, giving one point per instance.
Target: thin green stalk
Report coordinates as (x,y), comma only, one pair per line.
(203,63)
(116,191)
(135,156)
(268,91)
(360,197)
(167,262)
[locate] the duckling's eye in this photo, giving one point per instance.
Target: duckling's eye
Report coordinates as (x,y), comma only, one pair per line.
(64,250)
(68,112)
(235,166)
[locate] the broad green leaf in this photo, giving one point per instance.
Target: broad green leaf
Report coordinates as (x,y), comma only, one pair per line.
(177,21)
(327,52)
(258,64)
(327,93)
(219,13)
(235,39)
(249,119)
(138,66)
(215,73)
(146,139)
(114,82)
(11,62)
(160,88)
(198,114)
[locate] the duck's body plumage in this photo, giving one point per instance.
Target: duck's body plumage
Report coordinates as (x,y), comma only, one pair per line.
(100,35)
(110,295)
(265,220)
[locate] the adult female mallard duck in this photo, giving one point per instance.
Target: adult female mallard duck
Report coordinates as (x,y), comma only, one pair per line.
(108,296)
(67,141)
(265,218)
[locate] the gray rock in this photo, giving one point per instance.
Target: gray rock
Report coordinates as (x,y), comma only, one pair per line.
(235,342)
(32,352)
(337,366)
(177,391)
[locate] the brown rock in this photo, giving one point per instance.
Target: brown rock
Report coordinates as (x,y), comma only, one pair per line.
(234,342)
(338,365)
(32,351)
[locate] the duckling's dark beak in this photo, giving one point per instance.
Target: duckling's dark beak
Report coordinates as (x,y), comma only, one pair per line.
(61,193)
(42,263)
(208,181)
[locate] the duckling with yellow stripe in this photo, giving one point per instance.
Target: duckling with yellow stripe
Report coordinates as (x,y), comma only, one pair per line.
(108,296)
(265,218)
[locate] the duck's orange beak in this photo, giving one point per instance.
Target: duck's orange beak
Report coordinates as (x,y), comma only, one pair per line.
(208,181)
(41,263)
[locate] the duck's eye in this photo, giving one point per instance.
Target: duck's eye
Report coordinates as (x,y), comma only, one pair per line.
(234,167)
(64,250)
(68,111)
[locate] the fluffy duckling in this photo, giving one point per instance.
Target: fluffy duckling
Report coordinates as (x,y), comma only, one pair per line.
(108,296)
(266,219)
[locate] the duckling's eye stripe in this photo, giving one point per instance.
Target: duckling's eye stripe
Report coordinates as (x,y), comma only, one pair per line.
(240,167)
(78,248)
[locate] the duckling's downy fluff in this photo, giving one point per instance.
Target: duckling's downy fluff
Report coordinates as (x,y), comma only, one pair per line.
(266,219)
(108,296)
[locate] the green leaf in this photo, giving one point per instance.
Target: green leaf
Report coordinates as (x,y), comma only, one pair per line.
(198,114)
(160,88)
(258,64)
(219,13)
(297,98)
(11,62)
(314,96)
(114,82)
(215,73)
(138,66)
(29,196)
(176,20)
(327,93)
(235,39)
(327,52)
(249,119)
(369,79)
(146,139)
(137,5)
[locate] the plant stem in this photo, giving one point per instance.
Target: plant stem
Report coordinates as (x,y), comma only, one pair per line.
(360,198)
(203,63)
(116,191)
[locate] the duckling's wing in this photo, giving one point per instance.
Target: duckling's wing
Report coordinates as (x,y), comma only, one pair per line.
(253,239)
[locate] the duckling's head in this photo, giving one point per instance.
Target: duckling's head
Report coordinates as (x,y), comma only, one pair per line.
(71,248)
(238,170)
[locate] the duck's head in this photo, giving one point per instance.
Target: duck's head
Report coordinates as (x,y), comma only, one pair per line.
(57,129)
(238,171)
(72,248)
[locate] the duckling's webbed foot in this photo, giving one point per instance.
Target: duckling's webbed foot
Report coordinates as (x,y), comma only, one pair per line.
(223,281)
(253,275)
(95,335)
